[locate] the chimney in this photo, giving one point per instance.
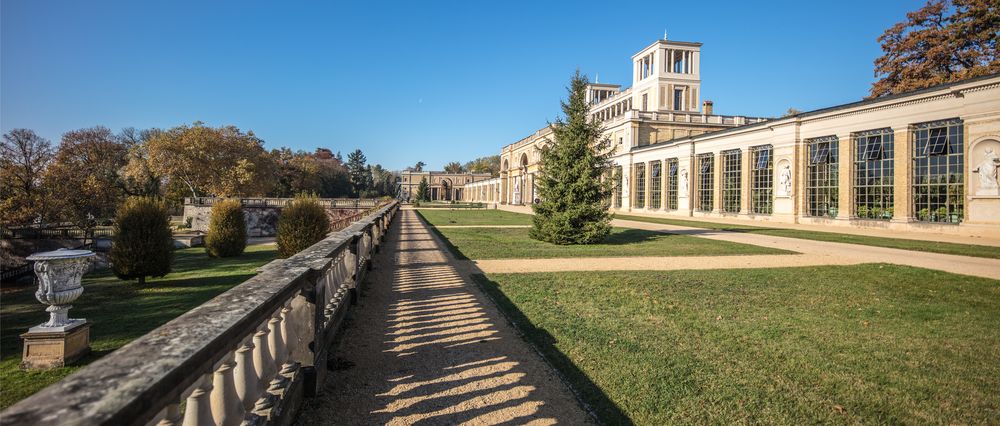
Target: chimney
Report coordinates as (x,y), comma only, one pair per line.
(706,108)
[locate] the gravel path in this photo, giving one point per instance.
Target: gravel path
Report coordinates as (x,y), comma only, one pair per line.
(425,346)
(839,253)
(656,263)
(812,253)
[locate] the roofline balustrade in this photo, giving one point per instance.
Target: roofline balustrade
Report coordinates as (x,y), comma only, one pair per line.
(250,354)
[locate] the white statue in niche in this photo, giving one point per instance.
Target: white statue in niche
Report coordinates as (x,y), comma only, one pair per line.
(684,183)
(987,170)
(785,180)
(625,186)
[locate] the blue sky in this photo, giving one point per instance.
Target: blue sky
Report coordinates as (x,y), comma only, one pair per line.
(407,81)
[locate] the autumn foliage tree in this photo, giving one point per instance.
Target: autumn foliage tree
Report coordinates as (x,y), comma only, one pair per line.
(944,41)
(454,167)
(489,164)
(221,161)
(83,180)
(23,158)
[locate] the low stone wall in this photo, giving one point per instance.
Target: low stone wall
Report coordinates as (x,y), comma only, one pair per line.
(249,356)
(262,221)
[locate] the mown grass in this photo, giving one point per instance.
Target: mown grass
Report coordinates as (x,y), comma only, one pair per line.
(992,252)
(118,311)
(837,344)
(514,243)
(440,217)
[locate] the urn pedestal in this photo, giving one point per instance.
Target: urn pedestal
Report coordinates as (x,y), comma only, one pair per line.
(61,340)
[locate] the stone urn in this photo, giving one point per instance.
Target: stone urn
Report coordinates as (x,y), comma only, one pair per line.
(59,273)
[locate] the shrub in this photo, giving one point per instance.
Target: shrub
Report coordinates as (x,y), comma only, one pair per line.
(142,245)
(302,223)
(227,230)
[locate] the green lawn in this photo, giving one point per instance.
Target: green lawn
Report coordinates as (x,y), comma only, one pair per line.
(118,311)
(839,344)
(514,243)
(897,243)
(439,217)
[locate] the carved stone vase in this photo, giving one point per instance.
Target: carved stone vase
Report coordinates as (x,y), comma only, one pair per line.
(59,273)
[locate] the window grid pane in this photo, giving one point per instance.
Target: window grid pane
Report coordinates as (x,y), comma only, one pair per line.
(822,184)
(672,184)
(731,184)
(873,174)
(706,168)
(938,182)
(640,186)
(761,180)
(655,184)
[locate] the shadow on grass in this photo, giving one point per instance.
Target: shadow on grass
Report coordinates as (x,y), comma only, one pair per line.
(118,311)
(596,400)
(451,247)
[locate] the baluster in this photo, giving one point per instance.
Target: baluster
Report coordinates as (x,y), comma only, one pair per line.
(170,416)
(263,367)
(276,343)
(198,411)
(227,409)
(247,388)
(287,330)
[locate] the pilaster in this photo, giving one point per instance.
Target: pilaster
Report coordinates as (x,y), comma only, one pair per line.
(902,142)
(845,187)
(745,181)
(717,182)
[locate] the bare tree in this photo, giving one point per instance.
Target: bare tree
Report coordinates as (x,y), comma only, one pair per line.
(23,158)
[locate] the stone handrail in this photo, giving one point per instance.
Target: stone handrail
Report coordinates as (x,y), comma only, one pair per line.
(250,354)
(281,202)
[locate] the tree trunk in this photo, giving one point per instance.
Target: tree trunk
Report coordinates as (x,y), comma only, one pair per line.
(142,281)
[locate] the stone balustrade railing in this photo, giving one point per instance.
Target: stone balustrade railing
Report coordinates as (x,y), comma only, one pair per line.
(249,355)
(281,202)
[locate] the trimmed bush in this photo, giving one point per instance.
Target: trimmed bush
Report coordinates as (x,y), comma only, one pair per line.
(143,244)
(227,230)
(303,222)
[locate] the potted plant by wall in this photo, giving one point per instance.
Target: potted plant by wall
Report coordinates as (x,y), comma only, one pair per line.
(942,214)
(923,214)
(957,216)
(876,212)
(863,211)
(888,213)
(832,211)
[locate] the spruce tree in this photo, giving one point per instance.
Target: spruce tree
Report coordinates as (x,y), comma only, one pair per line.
(143,244)
(574,197)
(423,191)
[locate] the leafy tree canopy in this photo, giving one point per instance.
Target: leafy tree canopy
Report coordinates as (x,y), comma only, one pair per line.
(944,41)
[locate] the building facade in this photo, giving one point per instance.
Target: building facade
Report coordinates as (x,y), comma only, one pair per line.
(443,186)
(919,161)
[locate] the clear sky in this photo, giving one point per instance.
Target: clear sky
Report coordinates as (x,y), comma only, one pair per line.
(406,81)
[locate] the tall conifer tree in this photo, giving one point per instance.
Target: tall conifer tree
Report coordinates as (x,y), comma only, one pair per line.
(574,199)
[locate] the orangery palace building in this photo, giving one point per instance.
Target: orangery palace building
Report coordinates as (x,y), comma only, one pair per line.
(918,161)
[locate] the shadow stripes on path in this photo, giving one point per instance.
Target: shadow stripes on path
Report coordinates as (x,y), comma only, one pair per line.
(424,346)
